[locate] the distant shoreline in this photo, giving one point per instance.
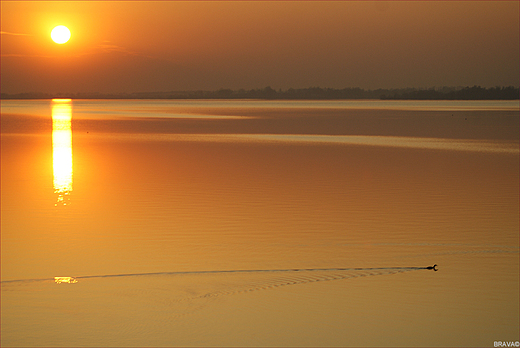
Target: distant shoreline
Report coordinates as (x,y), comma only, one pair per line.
(313,93)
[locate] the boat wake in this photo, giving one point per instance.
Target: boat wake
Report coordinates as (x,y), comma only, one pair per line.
(183,293)
(377,270)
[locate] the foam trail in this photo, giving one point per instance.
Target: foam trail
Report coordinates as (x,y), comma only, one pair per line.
(288,279)
(226,271)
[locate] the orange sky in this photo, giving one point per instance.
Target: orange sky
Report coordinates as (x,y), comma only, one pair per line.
(164,46)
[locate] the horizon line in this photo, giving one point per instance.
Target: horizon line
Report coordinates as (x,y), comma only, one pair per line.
(310,93)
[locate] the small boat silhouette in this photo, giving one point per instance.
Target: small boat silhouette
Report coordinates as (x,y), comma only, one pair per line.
(434,267)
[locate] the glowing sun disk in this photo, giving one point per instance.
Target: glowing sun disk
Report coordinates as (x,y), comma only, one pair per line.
(60,34)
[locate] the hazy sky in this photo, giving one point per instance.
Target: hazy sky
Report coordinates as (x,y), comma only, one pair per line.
(164,46)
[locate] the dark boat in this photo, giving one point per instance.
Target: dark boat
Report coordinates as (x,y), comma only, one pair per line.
(434,267)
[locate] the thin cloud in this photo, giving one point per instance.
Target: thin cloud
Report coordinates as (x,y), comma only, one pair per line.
(105,47)
(14,34)
(23,55)
(109,47)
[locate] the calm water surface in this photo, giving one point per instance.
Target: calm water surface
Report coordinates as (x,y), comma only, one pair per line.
(259,223)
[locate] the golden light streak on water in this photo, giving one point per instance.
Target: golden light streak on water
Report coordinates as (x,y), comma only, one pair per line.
(70,280)
(62,149)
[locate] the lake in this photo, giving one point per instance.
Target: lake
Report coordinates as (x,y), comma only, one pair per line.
(259,223)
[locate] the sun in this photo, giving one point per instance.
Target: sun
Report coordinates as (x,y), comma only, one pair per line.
(60,34)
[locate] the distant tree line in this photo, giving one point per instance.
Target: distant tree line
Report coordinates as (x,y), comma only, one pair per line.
(466,93)
(312,93)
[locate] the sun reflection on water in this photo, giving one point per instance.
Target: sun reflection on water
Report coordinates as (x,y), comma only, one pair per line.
(70,280)
(62,149)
